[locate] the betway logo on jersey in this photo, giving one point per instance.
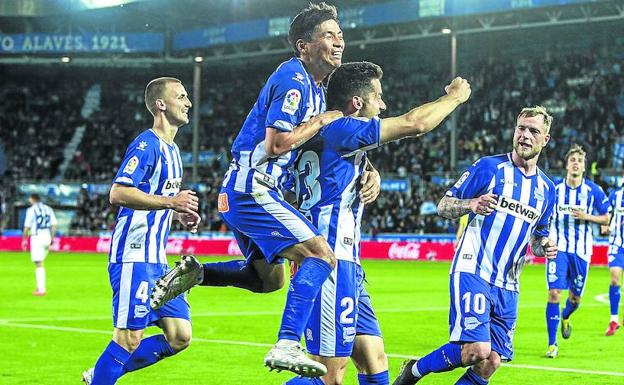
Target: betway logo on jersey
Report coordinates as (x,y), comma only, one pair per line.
(567,209)
(517,209)
(172,186)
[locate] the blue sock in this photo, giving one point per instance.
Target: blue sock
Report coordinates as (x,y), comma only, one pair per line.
(570,308)
(446,357)
(614,299)
(471,378)
(301,294)
(150,351)
(304,381)
(552,322)
(374,379)
(237,273)
(109,367)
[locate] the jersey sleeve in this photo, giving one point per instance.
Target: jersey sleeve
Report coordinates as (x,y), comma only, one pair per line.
(139,159)
(601,202)
(53,221)
(542,229)
(285,104)
(472,183)
(30,217)
(351,134)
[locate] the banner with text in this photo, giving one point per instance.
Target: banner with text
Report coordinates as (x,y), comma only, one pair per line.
(84,42)
(416,250)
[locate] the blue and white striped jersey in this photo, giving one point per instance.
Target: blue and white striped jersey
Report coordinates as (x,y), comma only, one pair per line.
(493,246)
(39,218)
(289,98)
(616,200)
(328,181)
(154,167)
(573,235)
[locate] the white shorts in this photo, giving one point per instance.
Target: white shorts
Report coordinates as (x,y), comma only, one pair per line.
(39,245)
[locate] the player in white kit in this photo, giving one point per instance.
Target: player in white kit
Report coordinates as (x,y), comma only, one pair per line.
(40,225)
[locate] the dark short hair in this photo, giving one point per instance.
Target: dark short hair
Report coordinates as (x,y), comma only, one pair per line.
(349,80)
(35,197)
(303,25)
(155,89)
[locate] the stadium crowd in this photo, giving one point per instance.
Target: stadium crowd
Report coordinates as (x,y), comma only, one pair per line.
(585,92)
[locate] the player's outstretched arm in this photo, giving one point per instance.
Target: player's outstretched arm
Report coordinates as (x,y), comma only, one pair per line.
(543,247)
(185,201)
(425,118)
(453,208)
(280,142)
(598,219)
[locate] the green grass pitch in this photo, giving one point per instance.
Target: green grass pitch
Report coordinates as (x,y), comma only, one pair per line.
(52,339)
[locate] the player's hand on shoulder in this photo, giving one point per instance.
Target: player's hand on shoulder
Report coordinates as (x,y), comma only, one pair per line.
(459,89)
(483,205)
(327,117)
(550,248)
(186,201)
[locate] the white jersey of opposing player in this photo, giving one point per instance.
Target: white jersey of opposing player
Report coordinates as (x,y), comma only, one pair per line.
(493,246)
(154,167)
(40,218)
(616,200)
(573,235)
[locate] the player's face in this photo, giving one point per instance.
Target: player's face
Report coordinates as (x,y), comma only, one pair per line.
(178,104)
(325,48)
(576,165)
(530,136)
(373,103)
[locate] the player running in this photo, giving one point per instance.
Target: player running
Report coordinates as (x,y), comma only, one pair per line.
(40,225)
(147,187)
(343,322)
(616,256)
(579,202)
(509,201)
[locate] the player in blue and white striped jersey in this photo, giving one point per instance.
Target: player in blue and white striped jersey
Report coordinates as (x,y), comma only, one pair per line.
(509,201)
(616,255)
(579,203)
(40,225)
(288,112)
(328,187)
(147,187)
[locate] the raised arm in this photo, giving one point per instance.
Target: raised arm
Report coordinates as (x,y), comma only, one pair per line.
(425,118)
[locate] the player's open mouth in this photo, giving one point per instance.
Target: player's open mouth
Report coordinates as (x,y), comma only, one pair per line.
(525,145)
(337,55)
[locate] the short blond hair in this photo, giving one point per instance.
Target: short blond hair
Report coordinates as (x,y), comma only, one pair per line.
(530,112)
(155,89)
(575,149)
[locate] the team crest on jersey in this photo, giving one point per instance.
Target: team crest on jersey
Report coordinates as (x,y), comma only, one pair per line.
(461,179)
(539,194)
(222,203)
(131,165)
(291,101)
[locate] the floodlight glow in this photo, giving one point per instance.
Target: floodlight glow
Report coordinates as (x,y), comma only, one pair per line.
(446,31)
(103,3)
(198,59)
(65,59)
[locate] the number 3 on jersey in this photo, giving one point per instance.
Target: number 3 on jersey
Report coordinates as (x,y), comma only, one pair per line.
(308,187)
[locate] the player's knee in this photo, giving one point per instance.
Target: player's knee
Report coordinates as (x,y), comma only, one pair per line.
(332,379)
(475,353)
(494,361)
(554,296)
(180,340)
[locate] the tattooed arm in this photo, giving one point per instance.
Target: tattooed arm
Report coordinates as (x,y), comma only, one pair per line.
(453,208)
